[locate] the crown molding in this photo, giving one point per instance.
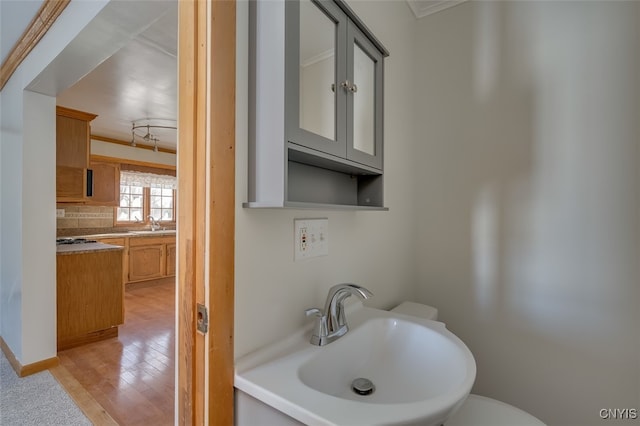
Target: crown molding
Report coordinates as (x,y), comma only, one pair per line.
(422,8)
(37,28)
(125,143)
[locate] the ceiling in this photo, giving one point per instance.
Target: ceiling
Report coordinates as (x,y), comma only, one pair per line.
(139,82)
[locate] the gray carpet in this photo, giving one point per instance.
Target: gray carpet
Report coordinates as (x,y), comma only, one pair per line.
(35,400)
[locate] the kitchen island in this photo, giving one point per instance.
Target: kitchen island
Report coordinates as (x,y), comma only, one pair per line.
(90,293)
(148,255)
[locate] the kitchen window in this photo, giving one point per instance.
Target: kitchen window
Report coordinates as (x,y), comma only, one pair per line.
(146,194)
(161,198)
(131,207)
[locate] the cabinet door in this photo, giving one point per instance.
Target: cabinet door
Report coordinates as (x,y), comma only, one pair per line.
(315,69)
(89,295)
(71,183)
(364,103)
(106,184)
(72,142)
(171,259)
(146,262)
(72,154)
(124,242)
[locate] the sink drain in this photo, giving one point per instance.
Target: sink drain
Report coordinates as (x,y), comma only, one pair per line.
(363,386)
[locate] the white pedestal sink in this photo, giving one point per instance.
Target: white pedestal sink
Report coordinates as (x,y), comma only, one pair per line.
(421,373)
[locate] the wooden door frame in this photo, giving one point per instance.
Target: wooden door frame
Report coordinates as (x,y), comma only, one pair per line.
(206,209)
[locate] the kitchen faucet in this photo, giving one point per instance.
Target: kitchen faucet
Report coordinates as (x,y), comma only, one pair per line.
(332,324)
(155,225)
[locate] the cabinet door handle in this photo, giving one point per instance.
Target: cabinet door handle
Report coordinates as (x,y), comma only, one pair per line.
(89,183)
(349,86)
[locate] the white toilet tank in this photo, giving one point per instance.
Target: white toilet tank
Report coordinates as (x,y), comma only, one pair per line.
(482,411)
(417,310)
(477,410)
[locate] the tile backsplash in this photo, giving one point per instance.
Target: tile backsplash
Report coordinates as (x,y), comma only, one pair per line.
(84,217)
(90,220)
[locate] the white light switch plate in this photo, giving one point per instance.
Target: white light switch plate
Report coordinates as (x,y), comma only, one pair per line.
(311,238)
(59,212)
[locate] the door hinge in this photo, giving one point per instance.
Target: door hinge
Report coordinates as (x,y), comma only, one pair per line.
(202,319)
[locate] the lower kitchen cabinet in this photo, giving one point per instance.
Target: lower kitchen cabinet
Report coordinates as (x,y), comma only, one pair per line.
(122,242)
(151,258)
(145,257)
(146,262)
(171,259)
(89,297)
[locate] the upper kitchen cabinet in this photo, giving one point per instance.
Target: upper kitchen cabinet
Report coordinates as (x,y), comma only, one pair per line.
(316,107)
(73,136)
(106,184)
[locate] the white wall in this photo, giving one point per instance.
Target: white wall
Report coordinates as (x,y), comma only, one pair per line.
(11,225)
(529,198)
(26,229)
(38,225)
(369,248)
(130,153)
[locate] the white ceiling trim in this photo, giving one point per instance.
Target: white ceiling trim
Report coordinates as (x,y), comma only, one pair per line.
(422,8)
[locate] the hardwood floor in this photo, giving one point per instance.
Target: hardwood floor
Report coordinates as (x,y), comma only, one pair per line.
(132,376)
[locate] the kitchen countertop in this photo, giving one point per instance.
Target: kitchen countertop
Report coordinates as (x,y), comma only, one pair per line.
(161,233)
(91,247)
(64,249)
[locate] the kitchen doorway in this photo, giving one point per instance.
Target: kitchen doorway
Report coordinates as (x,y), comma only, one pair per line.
(132,376)
(199,400)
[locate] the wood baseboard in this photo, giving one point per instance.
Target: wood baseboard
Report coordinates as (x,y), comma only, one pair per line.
(27,370)
(96,336)
(149,283)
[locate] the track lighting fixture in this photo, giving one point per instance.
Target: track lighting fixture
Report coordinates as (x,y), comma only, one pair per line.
(147,136)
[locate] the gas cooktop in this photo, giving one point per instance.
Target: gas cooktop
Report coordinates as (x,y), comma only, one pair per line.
(60,241)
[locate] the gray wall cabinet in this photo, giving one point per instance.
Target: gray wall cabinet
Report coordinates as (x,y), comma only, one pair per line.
(316,107)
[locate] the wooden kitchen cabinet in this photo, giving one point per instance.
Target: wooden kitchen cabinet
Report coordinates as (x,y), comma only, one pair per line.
(106,184)
(73,137)
(124,243)
(171,260)
(89,297)
(146,262)
(71,184)
(151,257)
(73,133)
(145,257)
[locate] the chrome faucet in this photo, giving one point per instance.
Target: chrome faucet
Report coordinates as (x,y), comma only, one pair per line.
(155,225)
(332,324)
